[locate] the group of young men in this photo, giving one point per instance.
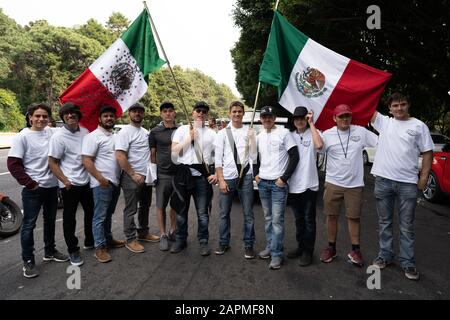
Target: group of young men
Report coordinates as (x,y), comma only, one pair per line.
(91,167)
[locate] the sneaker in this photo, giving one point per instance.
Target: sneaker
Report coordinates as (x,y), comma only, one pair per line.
(172,236)
(114,244)
(148,237)
(381,263)
(328,255)
(221,250)
(275,263)
(411,273)
(205,250)
(265,254)
(164,243)
(178,247)
(56,256)
(75,259)
(249,253)
(102,255)
(355,257)
(135,246)
(305,259)
(29,270)
(294,254)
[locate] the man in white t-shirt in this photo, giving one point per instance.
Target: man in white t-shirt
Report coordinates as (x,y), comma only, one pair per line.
(100,161)
(64,159)
(133,155)
(344,180)
(231,152)
(192,148)
(28,164)
(402,140)
(278,155)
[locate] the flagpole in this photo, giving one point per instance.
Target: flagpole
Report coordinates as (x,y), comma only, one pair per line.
(254,108)
(186,113)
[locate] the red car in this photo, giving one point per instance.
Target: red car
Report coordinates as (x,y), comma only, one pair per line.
(439,181)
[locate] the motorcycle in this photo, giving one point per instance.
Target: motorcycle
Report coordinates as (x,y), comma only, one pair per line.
(10,216)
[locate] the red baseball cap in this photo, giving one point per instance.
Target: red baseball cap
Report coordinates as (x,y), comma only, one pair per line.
(342,109)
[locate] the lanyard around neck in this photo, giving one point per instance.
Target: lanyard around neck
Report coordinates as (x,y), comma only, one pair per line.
(342,145)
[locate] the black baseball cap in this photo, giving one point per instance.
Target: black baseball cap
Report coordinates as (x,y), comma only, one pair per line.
(137,105)
(107,108)
(266,111)
(69,107)
(300,112)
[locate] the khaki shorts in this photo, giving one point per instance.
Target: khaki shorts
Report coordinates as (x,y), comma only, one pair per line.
(333,197)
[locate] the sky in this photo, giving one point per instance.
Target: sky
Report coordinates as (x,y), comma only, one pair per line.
(196,34)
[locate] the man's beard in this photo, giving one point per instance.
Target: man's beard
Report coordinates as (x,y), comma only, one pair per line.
(106,125)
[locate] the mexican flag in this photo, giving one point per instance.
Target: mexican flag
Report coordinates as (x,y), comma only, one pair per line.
(119,76)
(308,74)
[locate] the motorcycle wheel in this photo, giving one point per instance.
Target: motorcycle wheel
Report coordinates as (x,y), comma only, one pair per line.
(10,221)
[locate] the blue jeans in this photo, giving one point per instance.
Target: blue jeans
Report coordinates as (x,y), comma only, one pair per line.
(32,201)
(105,201)
(386,193)
(273,201)
(202,193)
(226,201)
(303,205)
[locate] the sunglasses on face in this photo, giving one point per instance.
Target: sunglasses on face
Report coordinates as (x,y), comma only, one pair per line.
(202,111)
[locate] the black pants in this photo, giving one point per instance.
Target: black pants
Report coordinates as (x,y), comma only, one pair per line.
(71,198)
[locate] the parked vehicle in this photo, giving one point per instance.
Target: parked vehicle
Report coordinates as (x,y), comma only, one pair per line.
(438,184)
(10,216)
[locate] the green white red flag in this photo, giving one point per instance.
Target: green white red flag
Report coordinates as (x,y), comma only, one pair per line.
(311,75)
(119,76)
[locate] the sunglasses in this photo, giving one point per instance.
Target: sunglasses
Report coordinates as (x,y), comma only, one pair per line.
(202,111)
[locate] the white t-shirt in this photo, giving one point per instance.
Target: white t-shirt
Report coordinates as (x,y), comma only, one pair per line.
(66,147)
(32,147)
(273,148)
(305,175)
(399,147)
(346,171)
(224,152)
(134,141)
(99,144)
(205,141)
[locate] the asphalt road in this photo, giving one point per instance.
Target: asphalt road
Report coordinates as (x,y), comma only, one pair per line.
(187,275)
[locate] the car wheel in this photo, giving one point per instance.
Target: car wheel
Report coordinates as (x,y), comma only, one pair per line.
(365,158)
(432,191)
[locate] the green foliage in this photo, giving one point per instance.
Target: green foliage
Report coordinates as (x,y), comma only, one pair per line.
(117,23)
(413,44)
(11,118)
(94,30)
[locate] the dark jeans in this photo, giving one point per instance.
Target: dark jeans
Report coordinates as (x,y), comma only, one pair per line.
(32,201)
(137,200)
(303,205)
(226,201)
(202,193)
(71,198)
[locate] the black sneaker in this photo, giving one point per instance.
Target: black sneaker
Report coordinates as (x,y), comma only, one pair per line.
(411,273)
(221,250)
(305,259)
(75,259)
(29,270)
(56,256)
(249,253)
(178,248)
(205,250)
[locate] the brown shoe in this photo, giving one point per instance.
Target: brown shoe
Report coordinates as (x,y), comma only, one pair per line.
(148,237)
(102,255)
(135,246)
(114,244)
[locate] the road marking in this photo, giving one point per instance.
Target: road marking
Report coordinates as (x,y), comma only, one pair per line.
(3,173)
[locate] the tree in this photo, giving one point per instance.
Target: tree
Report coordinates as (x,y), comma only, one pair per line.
(117,23)
(94,30)
(11,118)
